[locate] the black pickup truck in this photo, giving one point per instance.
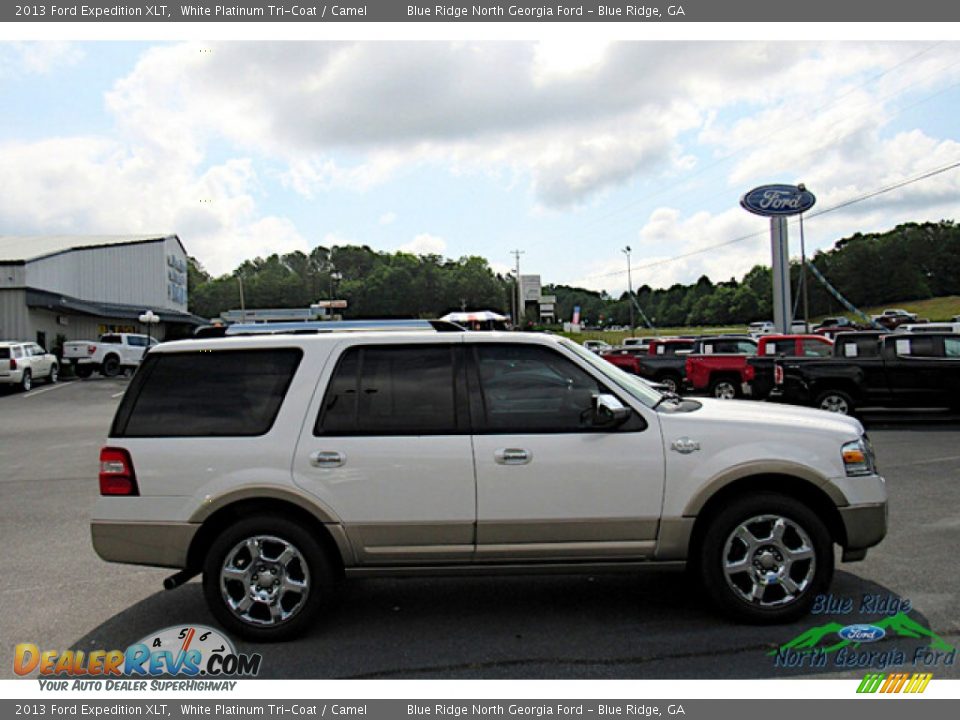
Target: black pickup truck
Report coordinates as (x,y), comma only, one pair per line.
(920,370)
(759,381)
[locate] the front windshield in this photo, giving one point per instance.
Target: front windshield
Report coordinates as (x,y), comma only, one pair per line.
(631,383)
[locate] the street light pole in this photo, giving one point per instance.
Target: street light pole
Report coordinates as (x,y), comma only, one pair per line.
(626,251)
(516,254)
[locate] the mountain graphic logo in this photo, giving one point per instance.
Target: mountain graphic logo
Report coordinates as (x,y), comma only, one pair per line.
(899,625)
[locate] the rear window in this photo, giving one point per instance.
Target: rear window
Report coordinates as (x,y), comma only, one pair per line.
(111,339)
(207,394)
(4,353)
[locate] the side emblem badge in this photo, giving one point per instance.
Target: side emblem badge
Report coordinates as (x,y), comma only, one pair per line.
(685,446)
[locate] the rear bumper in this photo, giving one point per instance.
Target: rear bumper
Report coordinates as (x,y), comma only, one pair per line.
(163,544)
(864,525)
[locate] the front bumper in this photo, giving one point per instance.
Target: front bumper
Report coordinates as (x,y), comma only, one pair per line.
(162,544)
(864,525)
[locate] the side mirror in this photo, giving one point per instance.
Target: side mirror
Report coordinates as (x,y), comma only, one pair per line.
(608,411)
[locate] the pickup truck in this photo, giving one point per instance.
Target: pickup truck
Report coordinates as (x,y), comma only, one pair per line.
(760,382)
(895,370)
(108,356)
(717,365)
(725,371)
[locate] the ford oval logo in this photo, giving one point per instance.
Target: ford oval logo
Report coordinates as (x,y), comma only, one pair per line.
(778,200)
(862,633)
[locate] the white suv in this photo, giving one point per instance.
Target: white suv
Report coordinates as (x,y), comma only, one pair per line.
(277,464)
(23,362)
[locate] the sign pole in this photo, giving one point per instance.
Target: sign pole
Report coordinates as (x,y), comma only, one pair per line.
(780,252)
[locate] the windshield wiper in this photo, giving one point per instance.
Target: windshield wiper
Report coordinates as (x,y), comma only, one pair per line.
(668,395)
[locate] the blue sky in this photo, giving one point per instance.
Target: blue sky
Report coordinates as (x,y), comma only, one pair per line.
(566,151)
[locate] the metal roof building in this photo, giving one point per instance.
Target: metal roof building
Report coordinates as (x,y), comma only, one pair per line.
(76,287)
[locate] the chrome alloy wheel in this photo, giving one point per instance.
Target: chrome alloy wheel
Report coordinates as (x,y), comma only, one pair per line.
(264,580)
(836,404)
(769,561)
(725,390)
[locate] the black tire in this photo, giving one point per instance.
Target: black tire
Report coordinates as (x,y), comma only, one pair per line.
(836,401)
(776,603)
(54,375)
(318,575)
(83,371)
(26,381)
(725,388)
(672,381)
(110,367)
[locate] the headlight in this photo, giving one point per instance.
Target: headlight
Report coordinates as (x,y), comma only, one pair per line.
(858,458)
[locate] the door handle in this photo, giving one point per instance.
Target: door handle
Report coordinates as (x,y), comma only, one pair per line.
(327,459)
(513,456)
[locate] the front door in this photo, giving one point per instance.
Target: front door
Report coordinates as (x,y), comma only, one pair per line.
(550,484)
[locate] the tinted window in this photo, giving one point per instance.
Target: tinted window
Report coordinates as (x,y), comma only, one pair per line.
(812,348)
(136,341)
(235,392)
(528,389)
(4,353)
(111,339)
(781,347)
(919,347)
(392,391)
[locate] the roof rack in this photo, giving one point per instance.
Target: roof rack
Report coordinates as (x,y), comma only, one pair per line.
(328,326)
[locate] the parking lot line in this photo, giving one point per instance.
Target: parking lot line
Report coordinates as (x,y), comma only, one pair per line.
(116,395)
(46,389)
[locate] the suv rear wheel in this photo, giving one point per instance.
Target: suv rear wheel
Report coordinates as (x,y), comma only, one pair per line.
(266,577)
(765,558)
(26,381)
(54,375)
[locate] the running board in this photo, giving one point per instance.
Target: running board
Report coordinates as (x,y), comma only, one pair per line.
(560,568)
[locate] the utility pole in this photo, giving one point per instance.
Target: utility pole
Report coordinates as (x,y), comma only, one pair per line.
(626,251)
(803,272)
(516,254)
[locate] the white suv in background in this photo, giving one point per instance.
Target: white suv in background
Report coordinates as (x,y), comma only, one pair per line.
(23,362)
(277,464)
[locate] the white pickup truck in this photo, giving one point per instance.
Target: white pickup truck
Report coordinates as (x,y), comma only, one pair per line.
(111,354)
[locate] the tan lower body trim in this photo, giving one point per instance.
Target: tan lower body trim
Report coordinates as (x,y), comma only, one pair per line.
(143,543)
(416,543)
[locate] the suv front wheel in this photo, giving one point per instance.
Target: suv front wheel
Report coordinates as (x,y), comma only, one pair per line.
(764,558)
(266,577)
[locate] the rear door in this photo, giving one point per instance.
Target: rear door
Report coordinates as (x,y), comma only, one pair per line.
(550,485)
(387,446)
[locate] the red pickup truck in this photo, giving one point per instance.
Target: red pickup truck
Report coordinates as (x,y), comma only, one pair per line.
(725,373)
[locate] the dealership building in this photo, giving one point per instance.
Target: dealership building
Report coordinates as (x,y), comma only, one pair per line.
(79,286)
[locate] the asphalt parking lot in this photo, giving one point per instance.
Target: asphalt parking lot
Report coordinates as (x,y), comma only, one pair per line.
(57,593)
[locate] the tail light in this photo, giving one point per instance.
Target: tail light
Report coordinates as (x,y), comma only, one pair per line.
(13,364)
(116,473)
(91,349)
(778,374)
(749,373)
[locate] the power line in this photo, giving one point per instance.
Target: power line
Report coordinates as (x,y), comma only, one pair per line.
(847,203)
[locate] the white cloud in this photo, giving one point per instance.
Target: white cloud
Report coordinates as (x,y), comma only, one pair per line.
(388,218)
(425,244)
(37,58)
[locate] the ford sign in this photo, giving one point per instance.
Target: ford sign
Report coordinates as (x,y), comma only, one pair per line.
(778,200)
(862,633)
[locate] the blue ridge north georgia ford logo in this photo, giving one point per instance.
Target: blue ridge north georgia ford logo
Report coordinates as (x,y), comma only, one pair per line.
(778,200)
(862,633)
